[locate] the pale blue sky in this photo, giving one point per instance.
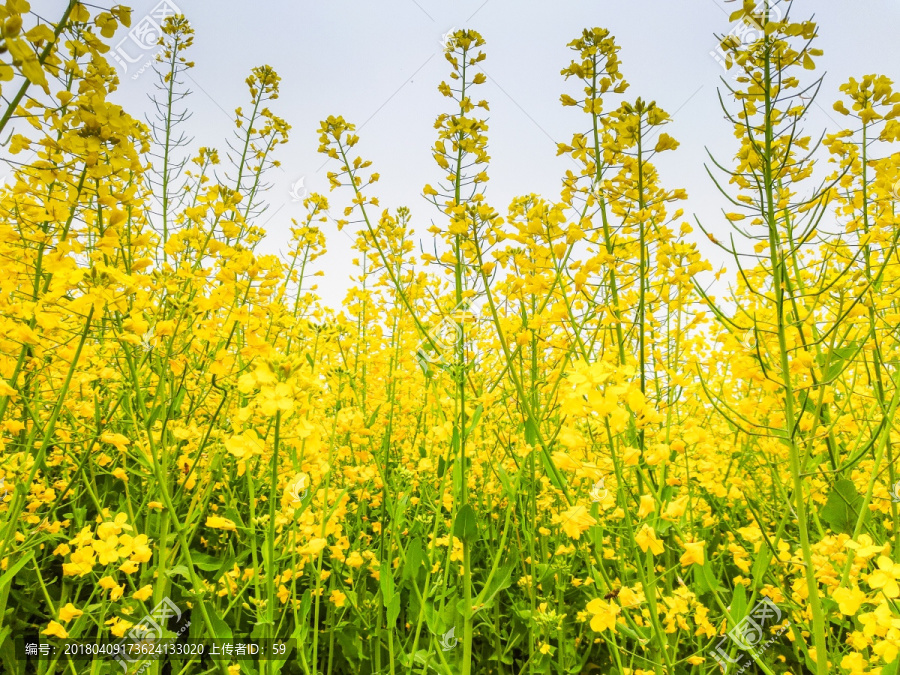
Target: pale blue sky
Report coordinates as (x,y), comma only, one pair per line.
(378,64)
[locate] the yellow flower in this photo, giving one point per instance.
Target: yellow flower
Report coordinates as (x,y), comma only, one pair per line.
(219,523)
(864,546)
(69,612)
(117,440)
(273,399)
(119,626)
(646,539)
(676,509)
(849,600)
(141,550)
(113,527)
(604,615)
(886,576)
(81,562)
(338,598)
(143,593)
(888,649)
(109,584)
(56,630)
(106,550)
(242,445)
(355,560)
(855,663)
(129,567)
(631,456)
(575,521)
(694,553)
(628,598)
(313,547)
(648,506)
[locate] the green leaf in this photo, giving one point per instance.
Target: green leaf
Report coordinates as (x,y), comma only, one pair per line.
(475,417)
(399,512)
(507,483)
(501,580)
(530,433)
(11,572)
(349,643)
(739,603)
(393,610)
(220,628)
(178,570)
(432,617)
(11,663)
(414,558)
(838,359)
(305,604)
(843,507)
(386,581)
(206,562)
(761,564)
(704,579)
(552,473)
(373,416)
(466,526)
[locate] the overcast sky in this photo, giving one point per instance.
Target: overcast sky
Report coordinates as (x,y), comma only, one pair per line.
(378,64)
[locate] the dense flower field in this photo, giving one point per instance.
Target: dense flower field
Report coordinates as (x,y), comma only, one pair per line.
(547,446)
